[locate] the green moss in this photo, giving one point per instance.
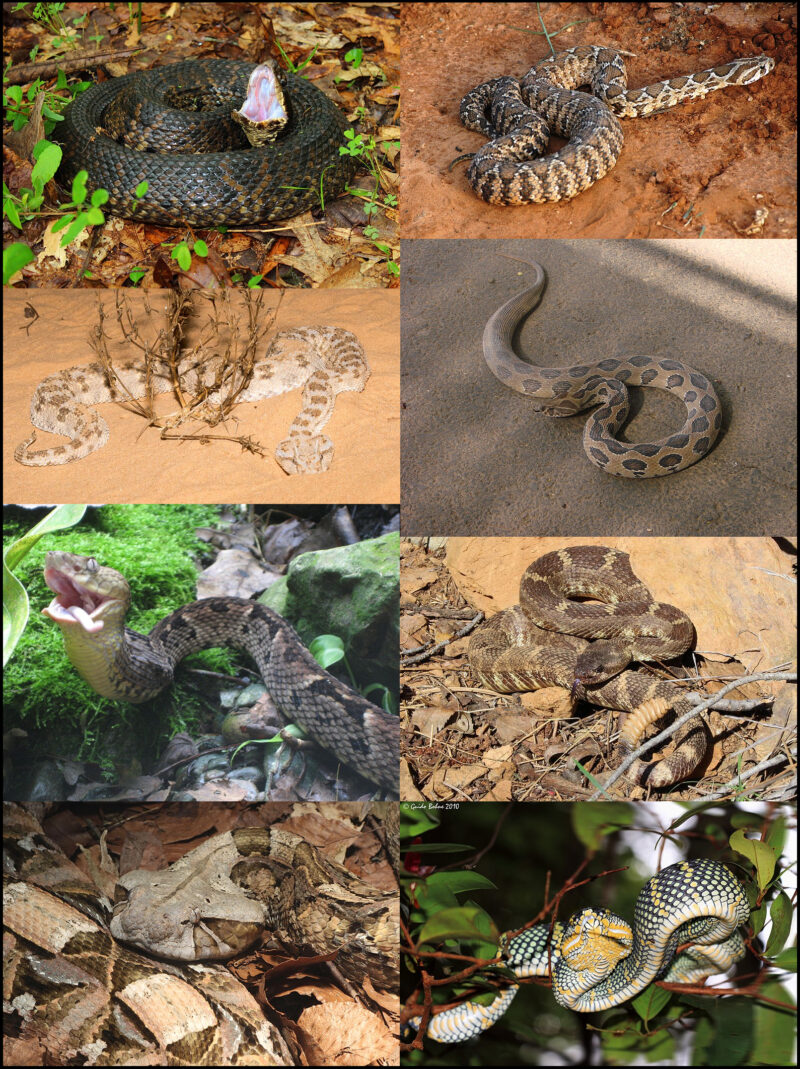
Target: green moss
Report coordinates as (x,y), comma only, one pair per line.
(155,547)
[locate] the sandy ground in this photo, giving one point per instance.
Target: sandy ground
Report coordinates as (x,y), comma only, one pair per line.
(137,466)
(706,168)
(476,458)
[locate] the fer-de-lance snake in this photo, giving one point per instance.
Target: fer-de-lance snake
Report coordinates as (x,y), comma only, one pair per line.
(210,177)
(518,118)
(90,606)
(564,391)
(600,961)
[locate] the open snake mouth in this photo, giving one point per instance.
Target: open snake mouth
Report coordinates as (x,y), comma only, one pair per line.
(73,603)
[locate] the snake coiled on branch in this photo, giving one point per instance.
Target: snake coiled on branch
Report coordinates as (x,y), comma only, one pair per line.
(211,178)
(90,606)
(600,961)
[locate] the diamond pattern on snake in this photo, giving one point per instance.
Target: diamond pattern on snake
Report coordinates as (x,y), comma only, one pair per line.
(519,116)
(142,982)
(545,641)
(565,391)
(324,360)
(600,961)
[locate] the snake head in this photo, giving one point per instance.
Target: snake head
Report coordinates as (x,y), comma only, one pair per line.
(87,594)
(263,114)
(602,660)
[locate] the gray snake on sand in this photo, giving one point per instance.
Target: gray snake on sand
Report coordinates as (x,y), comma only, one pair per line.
(518,117)
(90,607)
(564,391)
(233,185)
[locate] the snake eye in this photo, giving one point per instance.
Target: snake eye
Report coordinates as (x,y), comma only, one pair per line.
(91,565)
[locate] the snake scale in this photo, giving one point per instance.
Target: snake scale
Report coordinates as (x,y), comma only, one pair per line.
(324,360)
(518,117)
(234,185)
(600,961)
(564,391)
(90,606)
(139,981)
(545,642)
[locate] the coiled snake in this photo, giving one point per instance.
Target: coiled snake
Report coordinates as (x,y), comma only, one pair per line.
(519,116)
(90,606)
(142,983)
(209,178)
(544,642)
(600,961)
(564,391)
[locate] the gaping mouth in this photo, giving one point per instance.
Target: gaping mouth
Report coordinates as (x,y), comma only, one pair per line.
(73,604)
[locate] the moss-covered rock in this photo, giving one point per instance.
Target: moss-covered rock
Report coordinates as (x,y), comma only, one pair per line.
(352,592)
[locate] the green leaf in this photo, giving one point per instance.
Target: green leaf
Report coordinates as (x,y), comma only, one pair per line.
(15,257)
(15,596)
(463,922)
(327,650)
(759,853)
(48,157)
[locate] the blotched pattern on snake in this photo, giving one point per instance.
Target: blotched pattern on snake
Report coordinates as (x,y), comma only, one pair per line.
(325,361)
(143,983)
(519,116)
(565,391)
(90,606)
(599,960)
(544,642)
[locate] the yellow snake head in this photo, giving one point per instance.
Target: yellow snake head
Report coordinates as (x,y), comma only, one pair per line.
(90,606)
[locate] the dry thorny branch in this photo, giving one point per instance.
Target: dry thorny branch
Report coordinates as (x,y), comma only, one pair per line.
(207,377)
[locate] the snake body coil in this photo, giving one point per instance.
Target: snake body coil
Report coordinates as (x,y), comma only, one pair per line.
(599,961)
(564,391)
(90,607)
(207,188)
(518,117)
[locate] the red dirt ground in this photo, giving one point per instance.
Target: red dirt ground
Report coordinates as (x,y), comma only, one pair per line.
(705,168)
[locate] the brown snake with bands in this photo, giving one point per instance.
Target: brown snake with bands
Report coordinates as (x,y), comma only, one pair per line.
(544,642)
(90,607)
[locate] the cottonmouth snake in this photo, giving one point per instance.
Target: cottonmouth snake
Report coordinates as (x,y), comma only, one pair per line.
(544,642)
(599,961)
(233,185)
(140,982)
(564,391)
(90,607)
(519,116)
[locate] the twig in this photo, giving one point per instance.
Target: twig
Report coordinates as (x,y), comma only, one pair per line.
(708,703)
(406,657)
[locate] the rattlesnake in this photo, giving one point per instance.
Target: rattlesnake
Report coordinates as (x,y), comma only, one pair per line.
(564,391)
(324,360)
(519,116)
(140,982)
(90,606)
(543,642)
